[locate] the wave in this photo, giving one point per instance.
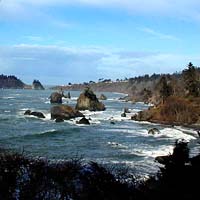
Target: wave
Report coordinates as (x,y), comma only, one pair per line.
(8,97)
(48,133)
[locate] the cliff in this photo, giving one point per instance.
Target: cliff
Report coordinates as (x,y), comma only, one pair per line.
(10,82)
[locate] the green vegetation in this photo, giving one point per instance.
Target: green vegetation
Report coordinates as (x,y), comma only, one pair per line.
(192,80)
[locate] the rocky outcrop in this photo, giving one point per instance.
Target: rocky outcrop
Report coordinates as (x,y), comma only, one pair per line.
(37,85)
(88,101)
(64,112)
(56,97)
(36,114)
(10,82)
(153,131)
(83,121)
(145,115)
(102,97)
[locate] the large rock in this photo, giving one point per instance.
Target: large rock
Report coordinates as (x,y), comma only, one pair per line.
(64,112)
(37,85)
(56,97)
(88,101)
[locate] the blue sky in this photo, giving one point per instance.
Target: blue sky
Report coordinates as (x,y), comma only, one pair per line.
(61,41)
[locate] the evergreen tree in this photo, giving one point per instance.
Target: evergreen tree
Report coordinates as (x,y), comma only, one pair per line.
(165,88)
(192,83)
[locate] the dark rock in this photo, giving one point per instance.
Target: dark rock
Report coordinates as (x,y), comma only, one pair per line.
(56,97)
(64,112)
(126,110)
(68,95)
(38,114)
(27,112)
(102,97)
(164,160)
(153,131)
(37,85)
(123,115)
(112,122)
(59,120)
(83,121)
(88,101)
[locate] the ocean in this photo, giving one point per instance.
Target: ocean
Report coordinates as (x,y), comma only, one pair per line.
(124,143)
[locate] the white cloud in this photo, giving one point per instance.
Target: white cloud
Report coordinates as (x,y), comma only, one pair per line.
(78,64)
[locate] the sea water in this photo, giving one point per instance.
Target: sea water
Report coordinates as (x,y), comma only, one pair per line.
(124,143)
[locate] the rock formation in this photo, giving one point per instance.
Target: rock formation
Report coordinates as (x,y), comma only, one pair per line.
(153,131)
(11,82)
(64,112)
(56,97)
(36,114)
(88,101)
(83,121)
(37,85)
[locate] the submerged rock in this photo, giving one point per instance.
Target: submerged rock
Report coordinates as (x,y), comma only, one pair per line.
(83,121)
(153,131)
(126,110)
(37,85)
(88,101)
(36,114)
(64,112)
(56,97)
(123,114)
(102,97)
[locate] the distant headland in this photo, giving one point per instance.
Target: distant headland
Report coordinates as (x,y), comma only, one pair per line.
(12,82)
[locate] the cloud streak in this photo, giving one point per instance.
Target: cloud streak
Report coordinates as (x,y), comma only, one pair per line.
(158,34)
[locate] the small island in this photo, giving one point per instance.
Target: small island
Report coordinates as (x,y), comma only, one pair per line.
(37,85)
(10,82)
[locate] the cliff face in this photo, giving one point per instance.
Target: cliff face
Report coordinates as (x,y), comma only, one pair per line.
(10,82)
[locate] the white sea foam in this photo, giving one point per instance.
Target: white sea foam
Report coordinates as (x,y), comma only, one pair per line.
(8,97)
(117,145)
(175,134)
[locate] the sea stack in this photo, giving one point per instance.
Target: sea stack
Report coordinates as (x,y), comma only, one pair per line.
(37,85)
(89,101)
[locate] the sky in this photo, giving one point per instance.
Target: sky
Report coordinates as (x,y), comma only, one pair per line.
(62,41)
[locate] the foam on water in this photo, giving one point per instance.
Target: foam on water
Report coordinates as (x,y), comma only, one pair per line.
(124,142)
(175,134)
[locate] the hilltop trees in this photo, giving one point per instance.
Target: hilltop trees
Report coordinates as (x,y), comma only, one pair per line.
(165,88)
(191,79)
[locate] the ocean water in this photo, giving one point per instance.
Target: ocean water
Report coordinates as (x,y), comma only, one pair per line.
(125,143)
